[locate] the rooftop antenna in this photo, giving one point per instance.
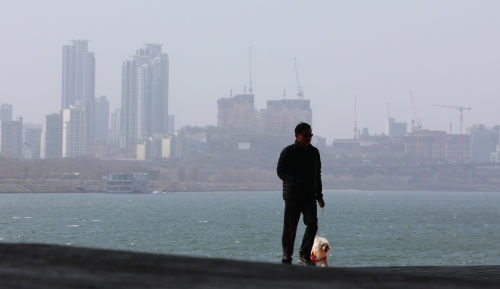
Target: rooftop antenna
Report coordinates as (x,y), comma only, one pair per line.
(250,58)
(355,119)
(230,93)
(300,94)
(284,94)
(389,122)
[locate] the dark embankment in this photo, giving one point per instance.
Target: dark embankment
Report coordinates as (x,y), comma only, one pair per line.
(50,266)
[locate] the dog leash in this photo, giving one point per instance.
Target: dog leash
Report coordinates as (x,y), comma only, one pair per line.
(319,223)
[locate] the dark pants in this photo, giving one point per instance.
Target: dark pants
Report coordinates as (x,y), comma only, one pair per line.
(293,209)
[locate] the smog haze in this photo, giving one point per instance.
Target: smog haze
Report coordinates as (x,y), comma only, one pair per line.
(444,52)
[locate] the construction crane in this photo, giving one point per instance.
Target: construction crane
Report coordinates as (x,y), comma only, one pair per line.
(250,60)
(460,108)
(300,93)
(418,121)
(417,127)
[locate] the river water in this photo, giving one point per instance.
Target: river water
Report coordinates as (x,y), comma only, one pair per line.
(364,228)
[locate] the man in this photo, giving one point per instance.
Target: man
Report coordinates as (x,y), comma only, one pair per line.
(299,167)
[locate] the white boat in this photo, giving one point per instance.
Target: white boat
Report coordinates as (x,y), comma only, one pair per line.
(127,183)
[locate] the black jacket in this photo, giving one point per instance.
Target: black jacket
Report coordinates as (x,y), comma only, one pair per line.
(300,170)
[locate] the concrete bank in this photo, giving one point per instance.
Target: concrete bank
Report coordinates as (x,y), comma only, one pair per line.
(51,266)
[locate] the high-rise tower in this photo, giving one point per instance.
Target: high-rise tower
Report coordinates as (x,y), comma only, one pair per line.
(52,136)
(11,138)
(114,136)
(74,131)
(144,109)
(6,112)
(78,82)
(101,118)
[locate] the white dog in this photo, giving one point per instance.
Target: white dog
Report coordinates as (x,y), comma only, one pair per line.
(320,250)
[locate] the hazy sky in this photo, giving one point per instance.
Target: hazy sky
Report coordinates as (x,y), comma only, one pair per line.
(445,52)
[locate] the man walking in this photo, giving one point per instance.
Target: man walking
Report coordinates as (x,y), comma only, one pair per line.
(299,167)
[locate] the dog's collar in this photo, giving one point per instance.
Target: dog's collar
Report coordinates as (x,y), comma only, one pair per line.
(315,259)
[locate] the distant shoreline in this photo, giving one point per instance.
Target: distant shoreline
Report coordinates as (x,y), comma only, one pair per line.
(249,190)
(14,186)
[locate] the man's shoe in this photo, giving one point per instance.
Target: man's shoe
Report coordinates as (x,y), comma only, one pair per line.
(286,262)
(306,262)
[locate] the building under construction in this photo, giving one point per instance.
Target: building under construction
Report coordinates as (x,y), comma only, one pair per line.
(366,149)
(425,145)
(284,115)
(438,145)
(238,114)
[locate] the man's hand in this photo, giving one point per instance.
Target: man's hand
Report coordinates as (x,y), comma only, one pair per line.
(321,203)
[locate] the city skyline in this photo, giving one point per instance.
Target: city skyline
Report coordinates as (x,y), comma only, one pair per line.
(78,87)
